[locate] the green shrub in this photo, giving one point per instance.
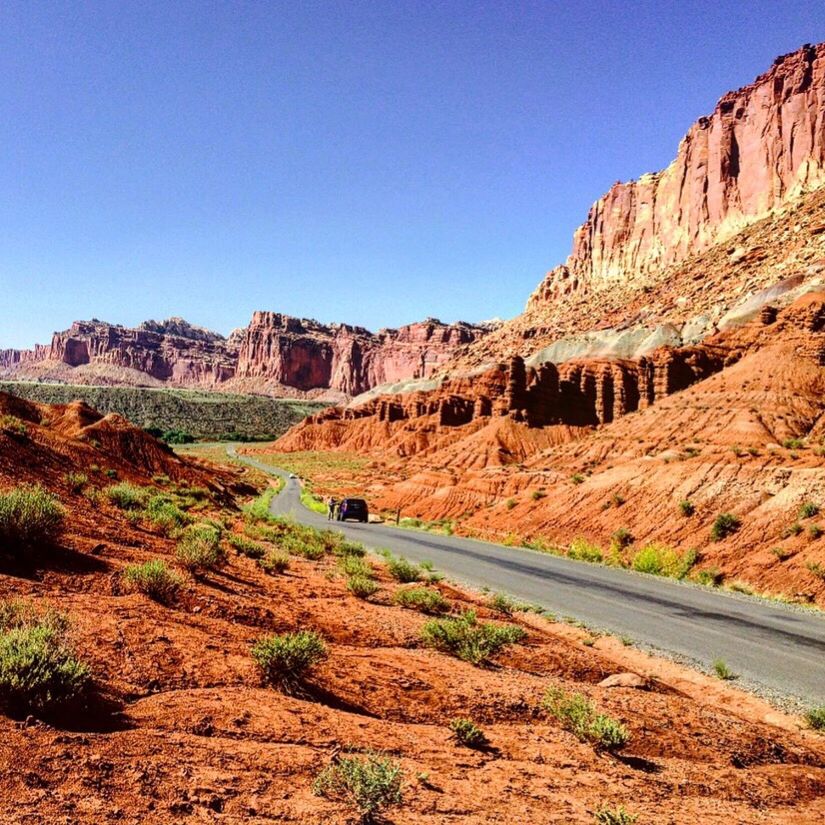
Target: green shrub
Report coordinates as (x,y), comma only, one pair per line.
(614,816)
(468,734)
(578,715)
(246,547)
(423,599)
(724,525)
(164,515)
(808,510)
(793,444)
(712,577)
(285,660)
(29,516)
(660,560)
(815,717)
(302,541)
(510,503)
(622,537)
(403,570)
(792,530)
(583,550)
(814,531)
(12,425)
(76,481)
(356,566)
(371,783)
(39,671)
(199,548)
(467,639)
(536,495)
(687,508)
(128,496)
(722,670)
(274,563)
(154,579)
(817,569)
(361,587)
(345,548)
(502,603)
(577,478)
(781,553)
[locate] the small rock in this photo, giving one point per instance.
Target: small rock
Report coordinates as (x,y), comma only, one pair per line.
(98,549)
(628,680)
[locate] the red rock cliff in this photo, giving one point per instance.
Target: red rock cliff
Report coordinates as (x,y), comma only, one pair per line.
(308,355)
(763,146)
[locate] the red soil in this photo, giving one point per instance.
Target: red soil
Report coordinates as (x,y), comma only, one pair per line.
(185,730)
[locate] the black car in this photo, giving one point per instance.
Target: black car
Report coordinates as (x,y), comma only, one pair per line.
(353,508)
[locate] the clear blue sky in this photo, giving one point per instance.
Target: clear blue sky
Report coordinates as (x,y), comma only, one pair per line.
(369,162)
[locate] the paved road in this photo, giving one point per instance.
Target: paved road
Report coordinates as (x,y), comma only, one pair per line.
(773,647)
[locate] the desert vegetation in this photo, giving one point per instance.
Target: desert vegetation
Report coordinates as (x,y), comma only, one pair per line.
(285,660)
(30,516)
(468,639)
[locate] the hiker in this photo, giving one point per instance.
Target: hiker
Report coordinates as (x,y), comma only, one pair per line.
(331,508)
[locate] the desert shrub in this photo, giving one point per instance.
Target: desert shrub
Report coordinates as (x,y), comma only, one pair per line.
(468,639)
(285,660)
(29,516)
(274,563)
(614,816)
(536,495)
(38,669)
(721,669)
(403,570)
(814,531)
(617,499)
(361,587)
(164,515)
(583,550)
(792,530)
(502,603)
(346,548)
(467,733)
(781,553)
(724,525)
(808,510)
(13,425)
(577,478)
(793,444)
(817,569)
(711,576)
(128,496)
(302,541)
(815,717)
(578,715)
(258,508)
(687,508)
(356,566)
(76,481)
(510,503)
(199,548)
(423,599)
(370,783)
(660,560)
(622,537)
(154,579)
(246,547)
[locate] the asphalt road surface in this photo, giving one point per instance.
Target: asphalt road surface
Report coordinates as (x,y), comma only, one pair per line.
(773,647)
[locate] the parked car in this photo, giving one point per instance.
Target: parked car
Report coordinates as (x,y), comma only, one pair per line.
(354,509)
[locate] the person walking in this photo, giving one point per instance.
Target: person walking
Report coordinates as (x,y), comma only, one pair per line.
(331,508)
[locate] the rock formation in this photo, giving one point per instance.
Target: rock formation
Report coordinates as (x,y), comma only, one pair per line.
(308,355)
(275,354)
(763,146)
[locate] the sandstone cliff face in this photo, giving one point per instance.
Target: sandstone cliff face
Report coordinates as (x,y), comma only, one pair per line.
(307,355)
(276,354)
(762,146)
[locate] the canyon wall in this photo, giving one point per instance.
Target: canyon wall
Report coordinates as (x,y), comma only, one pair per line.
(308,355)
(274,352)
(763,146)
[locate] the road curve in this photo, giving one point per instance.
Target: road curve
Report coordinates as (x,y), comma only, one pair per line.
(773,647)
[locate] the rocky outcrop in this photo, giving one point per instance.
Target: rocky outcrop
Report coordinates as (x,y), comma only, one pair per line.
(762,146)
(308,355)
(275,354)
